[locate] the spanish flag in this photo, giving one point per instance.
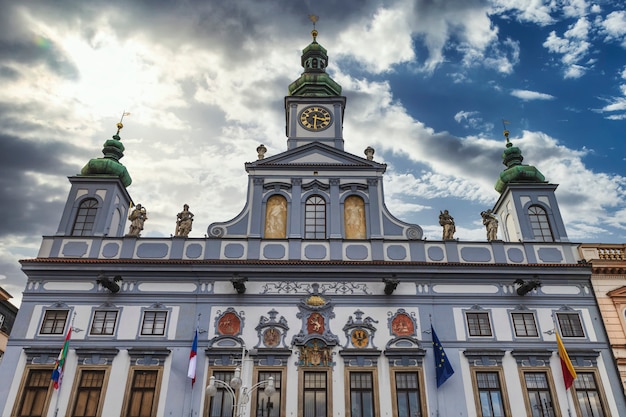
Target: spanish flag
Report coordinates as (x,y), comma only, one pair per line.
(569,374)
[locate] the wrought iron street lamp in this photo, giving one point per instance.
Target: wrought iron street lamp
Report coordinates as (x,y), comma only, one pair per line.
(239,393)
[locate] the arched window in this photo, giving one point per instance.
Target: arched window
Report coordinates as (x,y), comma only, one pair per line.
(315,218)
(354,217)
(539,224)
(86,217)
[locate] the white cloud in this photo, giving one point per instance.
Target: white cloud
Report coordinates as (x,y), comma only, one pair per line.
(574,8)
(614,25)
(533,11)
(573,47)
(528,95)
(390,24)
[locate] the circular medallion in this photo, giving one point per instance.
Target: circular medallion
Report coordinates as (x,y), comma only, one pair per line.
(271,337)
(359,338)
(315,118)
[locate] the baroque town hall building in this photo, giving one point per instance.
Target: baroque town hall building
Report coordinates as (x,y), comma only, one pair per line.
(315,290)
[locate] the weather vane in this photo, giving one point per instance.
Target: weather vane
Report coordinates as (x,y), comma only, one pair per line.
(314,19)
(506,132)
(119,124)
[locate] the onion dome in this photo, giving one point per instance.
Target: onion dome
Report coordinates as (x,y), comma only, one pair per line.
(515,171)
(314,81)
(109,165)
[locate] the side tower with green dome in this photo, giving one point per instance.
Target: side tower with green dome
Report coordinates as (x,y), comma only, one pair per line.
(98,201)
(527,206)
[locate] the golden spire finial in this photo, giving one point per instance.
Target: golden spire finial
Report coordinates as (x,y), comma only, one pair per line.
(120,126)
(506,132)
(314,19)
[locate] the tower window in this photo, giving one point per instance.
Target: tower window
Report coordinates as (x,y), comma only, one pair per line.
(315,218)
(539,224)
(86,217)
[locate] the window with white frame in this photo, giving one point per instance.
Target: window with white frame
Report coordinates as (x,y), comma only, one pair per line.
(478,324)
(524,324)
(570,325)
(153,323)
(54,322)
(103,322)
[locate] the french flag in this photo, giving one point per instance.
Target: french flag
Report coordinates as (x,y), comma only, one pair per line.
(193,358)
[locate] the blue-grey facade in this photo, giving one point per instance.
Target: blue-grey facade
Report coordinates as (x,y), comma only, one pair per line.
(332,296)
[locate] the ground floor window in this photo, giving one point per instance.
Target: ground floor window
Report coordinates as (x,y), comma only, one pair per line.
(269,406)
(489,392)
(539,393)
(142,392)
(589,396)
(361,394)
(35,392)
(221,404)
(408,394)
(89,392)
(315,394)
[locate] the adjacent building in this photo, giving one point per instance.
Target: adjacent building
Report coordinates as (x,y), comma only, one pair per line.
(7,316)
(608,279)
(315,291)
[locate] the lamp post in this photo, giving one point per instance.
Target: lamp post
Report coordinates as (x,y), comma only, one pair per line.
(240,401)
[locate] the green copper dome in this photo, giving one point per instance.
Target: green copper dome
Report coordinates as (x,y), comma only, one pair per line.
(314,81)
(109,166)
(516,172)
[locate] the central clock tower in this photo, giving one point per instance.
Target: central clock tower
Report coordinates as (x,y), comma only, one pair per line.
(314,107)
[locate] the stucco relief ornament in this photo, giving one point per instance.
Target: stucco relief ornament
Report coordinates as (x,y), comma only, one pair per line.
(271,332)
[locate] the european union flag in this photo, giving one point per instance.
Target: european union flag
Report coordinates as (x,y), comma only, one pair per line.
(442,364)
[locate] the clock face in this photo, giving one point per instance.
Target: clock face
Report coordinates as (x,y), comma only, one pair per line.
(315,118)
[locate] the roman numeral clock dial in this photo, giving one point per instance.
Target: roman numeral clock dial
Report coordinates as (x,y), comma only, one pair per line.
(315,118)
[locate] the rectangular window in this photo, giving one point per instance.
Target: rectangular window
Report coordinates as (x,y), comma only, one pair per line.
(89,393)
(269,406)
(588,395)
(361,394)
(103,322)
(142,396)
(408,397)
(154,323)
(35,395)
(54,322)
(490,394)
(315,394)
(524,324)
(478,324)
(570,325)
(221,404)
(539,394)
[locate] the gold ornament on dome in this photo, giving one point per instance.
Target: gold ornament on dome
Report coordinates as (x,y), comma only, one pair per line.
(315,300)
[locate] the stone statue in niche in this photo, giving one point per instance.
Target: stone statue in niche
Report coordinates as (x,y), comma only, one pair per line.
(276,217)
(491,224)
(447,222)
(137,218)
(354,217)
(184,221)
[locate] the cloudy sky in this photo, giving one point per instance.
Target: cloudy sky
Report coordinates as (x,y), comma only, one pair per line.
(428,84)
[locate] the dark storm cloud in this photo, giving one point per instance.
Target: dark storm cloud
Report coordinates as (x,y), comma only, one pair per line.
(21,44)
(26,206)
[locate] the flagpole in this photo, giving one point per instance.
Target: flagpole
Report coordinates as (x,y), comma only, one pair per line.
(430,318)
